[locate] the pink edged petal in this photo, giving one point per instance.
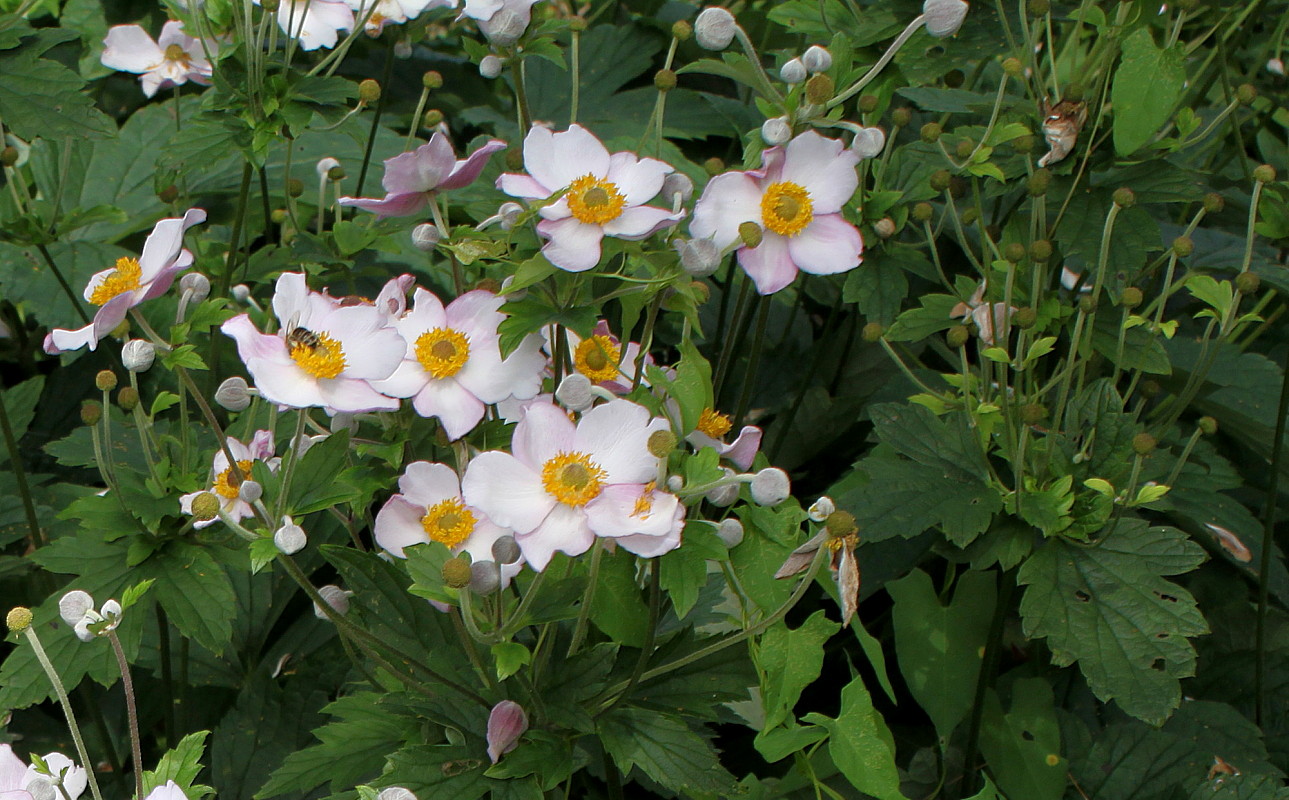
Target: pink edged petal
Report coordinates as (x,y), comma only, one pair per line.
(626,509)
(556,210)
(574,246)
(769,266)
(164,245)
(824,167)
(639,222)
(481,9)
(291,303)
(95,281)
(392,299)
(105,319)
(426,484)
(152,82)
(520,375)
(261,447)
(465,172)
(728,201)
(742,451)
(456,408)
(556,159)
(408,379)
(392,205)
(506,723)
(828,245)
(173,33)
(517,185)
(564,529)
(616,436)
(653,546)
(475,312)
(422,169)
(285,385)
(427,314)
(353,396)
(17,794)
(129,48)
(169,791)
(162,281)
(771,169)
(74,777)
(639,179)
(544,431)
(12,769)
(372,350)
(507,491)
(253,345)
(398,525)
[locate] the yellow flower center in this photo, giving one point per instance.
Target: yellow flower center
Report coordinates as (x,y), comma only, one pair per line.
(597,358)
(123,278)
(448,522)
(317,353)
(573,478)
(176,53)
(442,351)
(786,208)
(644,503)
(595,201)
(226,483)
(713,423)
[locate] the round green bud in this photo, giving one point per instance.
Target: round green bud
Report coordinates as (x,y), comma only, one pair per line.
(1013,67)
(1143,444)
(1038,8)
(1183,246)
(1247,282)
(872,332)
(661,443)
(940,180)
(965,148)
(1087,304)
(576,24)
(867,103)
(957,336)
(1214,203)
(884,227)
(1014,252)
(278,216)
(922,212)
(682,30)
(1246,94)
(294,187)
(91,412)
(368,91)
(841,523)
(169,194)
(432,80)
(105,380)
(1131,297)
(1264,174)
(714,166)
(432,118)
(1025,318)
(336,173)
(819,89)
(1124,197)
(901,117)
(1038,183)
(515,158)
(664,80)
(1040,250)
(18,619)
(457,573)
(931,132)
(1033,413)
(127,398)
(750,233)
(1207,426)
(969,215)
(9,156)
(1025,144)
(205,506)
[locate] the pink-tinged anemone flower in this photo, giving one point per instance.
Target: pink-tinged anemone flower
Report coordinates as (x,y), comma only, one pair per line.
(168,791)
(501,21)
(487,9)
(225,485)
(710,432)
(429,508)
(324,354)
(795,198)
(602,359)
(506,723)
(393,12)
(173,59)
(990,318)
(133,280)
(16,777)
(453,366)
(315,23)
(411,179)
(564,484)
(603,194)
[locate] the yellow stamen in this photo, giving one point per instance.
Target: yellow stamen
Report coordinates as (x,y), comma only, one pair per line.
(321,356)
(448,522)
(597,358)
(786,208)
(226,484)
(442,351)
(573,478)
(595,201)
(177,54)
(713,423)
(124,278)
(644,503)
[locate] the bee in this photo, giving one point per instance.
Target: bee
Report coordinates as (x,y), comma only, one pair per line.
(303,337)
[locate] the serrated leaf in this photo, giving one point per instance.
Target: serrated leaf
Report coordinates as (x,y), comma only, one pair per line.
(182,764)
(861,745)
(42,98)
(904,498)
(665,749)
(1147,84)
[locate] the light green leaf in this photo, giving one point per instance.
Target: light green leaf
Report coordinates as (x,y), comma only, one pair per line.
(510,657)
(181,765)
(790,661)
(861,745)
(1147,84)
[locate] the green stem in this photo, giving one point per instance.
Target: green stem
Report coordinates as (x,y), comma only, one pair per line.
(131,713)
(988,666)
(754,359)
(588,597)
(66,704)
(375,120)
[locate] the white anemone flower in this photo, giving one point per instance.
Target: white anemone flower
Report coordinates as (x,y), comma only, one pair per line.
(604,194)
(563,484)
(77,610)
(393,12)
(315,23)
(224,483)
(324,354)
(453,367)
(602,358)
(167,791)
(172,60)
(16,778)
(795,198)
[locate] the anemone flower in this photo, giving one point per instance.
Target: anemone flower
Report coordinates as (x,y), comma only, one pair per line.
(795,200)
(711,430)
(133,280)
(225,485)
(602,358)
(393,12)
(604,194)
(172,60)
(314,23)
(16,777)
(411,179)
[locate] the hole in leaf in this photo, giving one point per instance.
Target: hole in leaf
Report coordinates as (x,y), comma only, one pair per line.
(1081,596)
(1168,597)
(1157,664)
(1027,736)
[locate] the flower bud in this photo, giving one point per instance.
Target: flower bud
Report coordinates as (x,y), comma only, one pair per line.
(490,66)
(664,80)
(577,24)
(105,380)
(506,283)
(574,392)
(325,166)
(233,394)
(73,605)
(250,490)
(817,59)
(197,284)
(957,336)
(776,131)
(485,577)
(395,793)
(425,237)
(922,212)
(1013,67)
(41,788)
(1264,173)
(18,619)
(336,173)
(770,487)
(1207,426)
(750,234)
(1131,297)
(505,550)
(456,573)
(793,72)
(944,17)
(1033,413)
(1025,318)
(872,332)
(1247,282)
(290,538)
(169,194)
(1214,203)
(901,117)
(514,159)
(1040,250)
(1038,183)
(869,142)
(1276,66)
(205,506)
(940,179)
(730,532)
(432,80)
(821,509)
(713,166)
(675,483)
(884,227)
(819,89)
(1183,246)
(8,156)
(677,183)
(841,523)
(1014,252)
(698,257)
(241,293)
(91,412)
(504,28)
(726,494)
(368,91)
(1245,93)
(1087,304)
(1124,197)
(1143,444)
(127,398)
(509,213)
(506,723)
(714,28)
(661,443)
(335,597)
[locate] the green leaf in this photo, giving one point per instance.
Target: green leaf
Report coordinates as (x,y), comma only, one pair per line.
(42,98)
(919,323)
(453,771)
(20,405)
(684,570)
(776,744)
(1147,84)
(790,661)
(510,656)
(350,237)
(904,498)
(182,764)
(618,608)
(1023,746)
(1109,608)
(940,647)
(665,749)
(195,591)
(318,482)
(861,745)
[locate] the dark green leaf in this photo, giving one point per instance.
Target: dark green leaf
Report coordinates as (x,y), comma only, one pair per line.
(665,749)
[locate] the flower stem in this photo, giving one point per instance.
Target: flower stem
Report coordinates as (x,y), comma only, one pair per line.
(584,612)
(66,703)
(375,119)
(132,714)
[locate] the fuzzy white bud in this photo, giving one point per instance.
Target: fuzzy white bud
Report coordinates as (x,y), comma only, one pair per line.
(41,788)
(490,66)
(574,392)
(290,538)
(233,394)
(869,142)
(821,509)
(506,550)
(73,605)
(250,490)
(675,483)
(698,257)
(504,28)
(1276,66)
(241,292)
(714,28)
(137,355)
(816,59)
(776,131)
(509,214)
(425,237)
(944,17)
(730,532)
(485,577)
(335,597)
(197,285)
(326,165)
(770,487)
(677,183)
(793,72)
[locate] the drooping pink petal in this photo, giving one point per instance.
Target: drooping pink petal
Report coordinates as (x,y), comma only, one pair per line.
(742,451)
(828,245)
(465,172)
(392,205)
(638,222)
(12,769)
(574,245)
(728,201)
(525,186)
(164,245)
(769,265)
(421,169)
(108,316)
(510,493)
(506,723)
(455,407)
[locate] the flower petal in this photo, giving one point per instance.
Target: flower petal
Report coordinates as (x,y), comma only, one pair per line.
(424,483)
(517,185)
(353,396)
(465,172)
(769,266)
(574,245)
(163,245)
(639,179)
(398,525)
(129,48)
(544,431)
(728,201)
(506,723)
(507,491)
(616,436)
(392,205)
(556,159)
(828,245)
(823,167)
(455,407)
(564,529)
(639,222)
